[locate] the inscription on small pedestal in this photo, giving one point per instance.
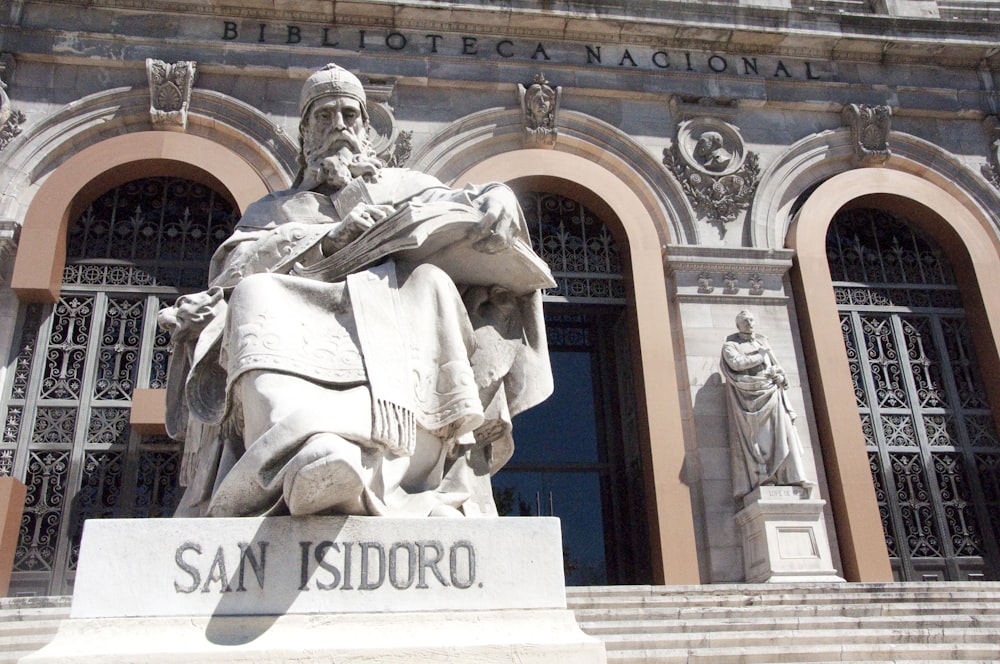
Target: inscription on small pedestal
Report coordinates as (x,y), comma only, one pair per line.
(784,536)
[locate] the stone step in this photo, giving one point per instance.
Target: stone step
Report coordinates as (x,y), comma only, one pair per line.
(14,656)
(28,623)
(768,596)
(803,637)
(14,651)
(12,628)
(870,609)
(787,588)
(886,652)
(619,626)
(782,623)
(35,602)
(23,615)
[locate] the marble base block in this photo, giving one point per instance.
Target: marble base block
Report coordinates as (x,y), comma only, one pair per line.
(320,589)
(784,536)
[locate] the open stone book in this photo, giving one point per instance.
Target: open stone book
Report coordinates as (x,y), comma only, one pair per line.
(444,234)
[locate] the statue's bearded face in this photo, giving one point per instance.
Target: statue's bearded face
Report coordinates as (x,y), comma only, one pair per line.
(336,122)
(333,136)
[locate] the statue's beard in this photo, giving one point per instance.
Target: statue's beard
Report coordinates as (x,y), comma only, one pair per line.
(335,158)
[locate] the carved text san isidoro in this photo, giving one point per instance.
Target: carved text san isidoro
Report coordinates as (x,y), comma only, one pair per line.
(328,565)
(486,48)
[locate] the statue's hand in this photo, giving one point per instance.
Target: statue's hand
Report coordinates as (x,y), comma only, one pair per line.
(499,221)
(191,313)
(360,219)
(780,379)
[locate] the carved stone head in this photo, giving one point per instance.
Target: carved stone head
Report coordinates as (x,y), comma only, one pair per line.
(332,81)
(746,322)
(333,131)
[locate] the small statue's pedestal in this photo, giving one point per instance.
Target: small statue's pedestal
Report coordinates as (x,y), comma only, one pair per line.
(320,589)
(784,536)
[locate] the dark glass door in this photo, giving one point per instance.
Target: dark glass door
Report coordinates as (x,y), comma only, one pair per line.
(572,458)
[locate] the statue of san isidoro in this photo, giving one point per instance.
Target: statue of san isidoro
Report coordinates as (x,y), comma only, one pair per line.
(364,341)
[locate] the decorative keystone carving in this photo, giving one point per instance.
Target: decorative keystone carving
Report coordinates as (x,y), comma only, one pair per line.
(991,169)
(539,106)
(10,119)
(869,132)
(715,170)
(170,92)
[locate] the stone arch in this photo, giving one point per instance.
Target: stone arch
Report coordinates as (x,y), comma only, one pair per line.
(967,234)
(817,158)
(465,143)
(645,211)
(105,139)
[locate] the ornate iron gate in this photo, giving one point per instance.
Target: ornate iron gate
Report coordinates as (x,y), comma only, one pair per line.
(930,434)
(69,386)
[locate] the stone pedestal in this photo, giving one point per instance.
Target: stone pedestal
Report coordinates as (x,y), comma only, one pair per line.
(784,536)
(320,589)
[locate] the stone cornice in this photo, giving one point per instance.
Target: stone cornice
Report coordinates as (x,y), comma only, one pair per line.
(735,274)
(858,37)
(739,260)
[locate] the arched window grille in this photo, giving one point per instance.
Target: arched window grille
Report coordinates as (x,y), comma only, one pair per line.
(932,443)
(70,383)
(577,247)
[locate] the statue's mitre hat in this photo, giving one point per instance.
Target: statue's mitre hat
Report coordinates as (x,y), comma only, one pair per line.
(331,81)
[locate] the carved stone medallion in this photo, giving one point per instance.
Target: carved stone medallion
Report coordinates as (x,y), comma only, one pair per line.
(170,92)
(716,171)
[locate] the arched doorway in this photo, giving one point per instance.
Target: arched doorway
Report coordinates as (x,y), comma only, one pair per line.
(623,198)
(577,454)
(77,361)
(929,431)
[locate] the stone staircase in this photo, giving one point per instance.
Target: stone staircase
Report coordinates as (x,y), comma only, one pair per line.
(911,622)
(28,623)
(855,622)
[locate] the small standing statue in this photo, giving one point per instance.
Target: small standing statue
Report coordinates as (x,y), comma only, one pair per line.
(765,447)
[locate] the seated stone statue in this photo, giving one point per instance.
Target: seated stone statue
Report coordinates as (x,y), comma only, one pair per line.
(765,447)
(388,391)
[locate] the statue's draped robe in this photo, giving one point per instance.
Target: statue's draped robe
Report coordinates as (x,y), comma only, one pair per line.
(765,448)
(454,365)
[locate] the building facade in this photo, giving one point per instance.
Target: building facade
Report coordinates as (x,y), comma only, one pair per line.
(831,166)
